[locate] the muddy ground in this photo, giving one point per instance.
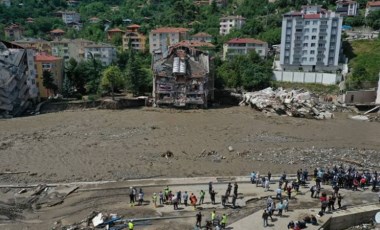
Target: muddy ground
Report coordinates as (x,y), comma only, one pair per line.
(97,145)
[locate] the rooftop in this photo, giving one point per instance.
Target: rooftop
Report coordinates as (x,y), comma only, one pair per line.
(134,26)
(377,3)
(195,44)
(103,45)
(232,17)
(202,34)
(245,40)
(57,31)
(115,30)
(170,30)
(45,57)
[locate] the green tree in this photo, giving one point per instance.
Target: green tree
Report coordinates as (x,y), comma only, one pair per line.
(112,79)
(48,81)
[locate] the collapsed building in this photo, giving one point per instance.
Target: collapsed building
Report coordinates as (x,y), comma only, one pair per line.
(182,78)
(17,79)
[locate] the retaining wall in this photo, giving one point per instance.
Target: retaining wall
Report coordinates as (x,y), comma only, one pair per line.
(307,77)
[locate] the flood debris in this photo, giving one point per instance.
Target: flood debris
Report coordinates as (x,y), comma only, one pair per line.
(294,103)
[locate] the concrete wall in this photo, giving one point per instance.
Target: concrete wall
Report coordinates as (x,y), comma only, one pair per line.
(360,97)
(306,77)
(351,217)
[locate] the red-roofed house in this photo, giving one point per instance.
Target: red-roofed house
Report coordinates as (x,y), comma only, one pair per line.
(114,32)
(52,64)
(137,39)
(372,6)
(241,46)
(57,34)
(161,38)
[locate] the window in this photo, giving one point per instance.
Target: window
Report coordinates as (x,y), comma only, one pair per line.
(312,52)
(312,44)
(320,52)
(287,37)
(305,45)
(315,22)
(307,22)
(321,45)
(311,59)
(314,30)
(46,65)
(298,30)
(298,38)
(307,30)
(304,59)
(304,52)
(321,37)
(306,37)
(319,59)
(313,37)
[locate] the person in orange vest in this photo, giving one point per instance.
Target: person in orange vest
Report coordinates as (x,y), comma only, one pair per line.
(193,200)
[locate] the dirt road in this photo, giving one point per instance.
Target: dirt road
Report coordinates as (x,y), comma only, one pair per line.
(117,145)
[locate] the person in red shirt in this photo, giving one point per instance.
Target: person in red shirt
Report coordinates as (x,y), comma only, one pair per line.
(363,182)
(356,183)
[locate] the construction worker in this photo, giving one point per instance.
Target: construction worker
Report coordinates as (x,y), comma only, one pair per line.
(213,215)
(130,225)
(154,199)
(224,220)
(202,197)
(131,197)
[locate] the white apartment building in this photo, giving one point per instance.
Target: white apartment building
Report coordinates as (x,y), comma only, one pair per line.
(229,23)
(70,17)
(105,53)
(239,46)
(161,38)
(372,6)
(347,8)
(311,39)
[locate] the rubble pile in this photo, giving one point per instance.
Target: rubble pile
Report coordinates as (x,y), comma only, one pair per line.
(295,103)
(17,80)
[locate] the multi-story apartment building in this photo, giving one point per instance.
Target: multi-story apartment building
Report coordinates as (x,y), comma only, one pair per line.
(240,46)
(55,66)
(161,38)
(137,39)
(202,37)
(311,39)
(38,45)
(372,6)
(230,22)
(69,17)
(13,32)
(105,53)
(347,8)
(67,48)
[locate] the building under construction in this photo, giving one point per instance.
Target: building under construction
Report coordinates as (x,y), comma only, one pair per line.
(183,78)
(17,79)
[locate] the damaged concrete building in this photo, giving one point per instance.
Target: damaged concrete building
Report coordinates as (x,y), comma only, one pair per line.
(183,78)
(17,79)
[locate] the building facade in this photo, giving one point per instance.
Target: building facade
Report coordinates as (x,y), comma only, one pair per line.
(38,45)
(70,48)
(161,38)
(105,53)
(242,46)
(347,8)
(229,23)
(137,39)
(55,66)
(70,17)
(372,6)
(311,39)
(13,32)
(202,37)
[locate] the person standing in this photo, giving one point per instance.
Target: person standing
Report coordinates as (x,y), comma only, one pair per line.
(154,199)
(175,202)
(131,197)
(185,198)
(224,221)
(265,217)
(234,197)
(179,197)
(199,220)
(229,187)
(193,201)
(210,188)
(269,175)
(213,216)
(212,195)
(161,195)
(201,197)
(279,193)
(236,189)
(340,201)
